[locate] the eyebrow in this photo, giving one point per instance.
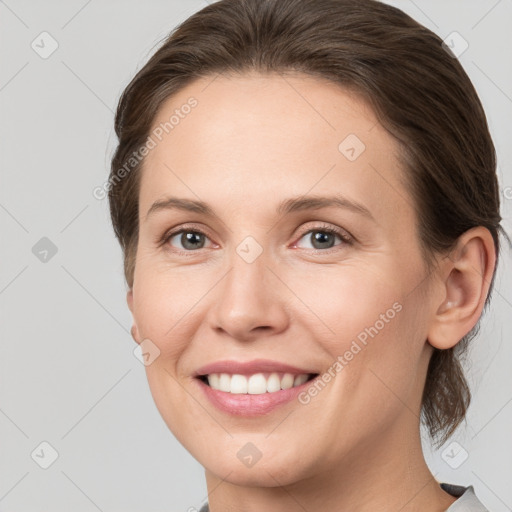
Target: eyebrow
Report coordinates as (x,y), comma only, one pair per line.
(294,204)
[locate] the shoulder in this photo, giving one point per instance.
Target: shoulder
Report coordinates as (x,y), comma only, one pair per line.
(467,500)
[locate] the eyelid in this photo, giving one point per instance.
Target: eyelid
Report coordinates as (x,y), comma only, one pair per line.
(344,235)
(176,230)
(330,228)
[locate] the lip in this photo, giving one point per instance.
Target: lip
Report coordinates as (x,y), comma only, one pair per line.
(246,405)
(251,367)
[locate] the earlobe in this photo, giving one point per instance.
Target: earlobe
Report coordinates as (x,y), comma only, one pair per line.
(135,334)
(468,270)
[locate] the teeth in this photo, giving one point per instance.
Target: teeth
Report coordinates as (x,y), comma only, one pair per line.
(239,384)
(300,379)
(256,384)
(287,381)
(224,382)
(273,383)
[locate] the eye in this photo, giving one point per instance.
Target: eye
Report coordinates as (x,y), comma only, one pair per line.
(322,237)
(190,239)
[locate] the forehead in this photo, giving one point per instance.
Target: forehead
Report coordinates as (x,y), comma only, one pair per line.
(250,139)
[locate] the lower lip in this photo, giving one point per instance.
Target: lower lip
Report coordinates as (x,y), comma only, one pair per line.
(251,405)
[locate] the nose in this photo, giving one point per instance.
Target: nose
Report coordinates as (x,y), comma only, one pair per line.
(250,301)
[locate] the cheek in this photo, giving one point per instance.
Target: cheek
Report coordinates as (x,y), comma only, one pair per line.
(166,308)
(346,303)
(385,377)
(165,304)
(372,330)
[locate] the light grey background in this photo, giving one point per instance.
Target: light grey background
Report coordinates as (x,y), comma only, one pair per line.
(68,375)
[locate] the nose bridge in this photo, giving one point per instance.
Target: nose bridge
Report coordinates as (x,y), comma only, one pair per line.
(249,295)
(249,269)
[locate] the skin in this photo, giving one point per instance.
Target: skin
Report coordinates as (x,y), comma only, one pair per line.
(252,141)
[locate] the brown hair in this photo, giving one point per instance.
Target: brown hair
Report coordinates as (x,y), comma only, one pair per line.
(417,88)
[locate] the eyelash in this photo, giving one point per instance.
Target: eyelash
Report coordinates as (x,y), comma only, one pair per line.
(346,239)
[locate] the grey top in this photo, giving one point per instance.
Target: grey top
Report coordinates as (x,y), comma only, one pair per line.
(467,500)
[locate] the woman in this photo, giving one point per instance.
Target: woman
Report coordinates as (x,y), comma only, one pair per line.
(306,198)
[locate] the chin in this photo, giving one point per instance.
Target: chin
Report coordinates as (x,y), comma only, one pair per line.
(255,476)
(265,472)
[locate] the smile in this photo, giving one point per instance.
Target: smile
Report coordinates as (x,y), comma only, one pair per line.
(255,384)
(252,388)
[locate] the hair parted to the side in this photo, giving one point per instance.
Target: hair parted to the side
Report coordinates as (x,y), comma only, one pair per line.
(418,90)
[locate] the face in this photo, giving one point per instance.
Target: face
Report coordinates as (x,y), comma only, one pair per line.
(335,290)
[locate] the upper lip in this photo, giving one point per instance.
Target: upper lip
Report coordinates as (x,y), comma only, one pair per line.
(250,367)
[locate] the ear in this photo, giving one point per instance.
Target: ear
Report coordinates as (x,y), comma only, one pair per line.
(467,274)
(129,299)
(134,330)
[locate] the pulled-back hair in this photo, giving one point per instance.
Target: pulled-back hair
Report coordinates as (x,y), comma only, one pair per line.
(416,87)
